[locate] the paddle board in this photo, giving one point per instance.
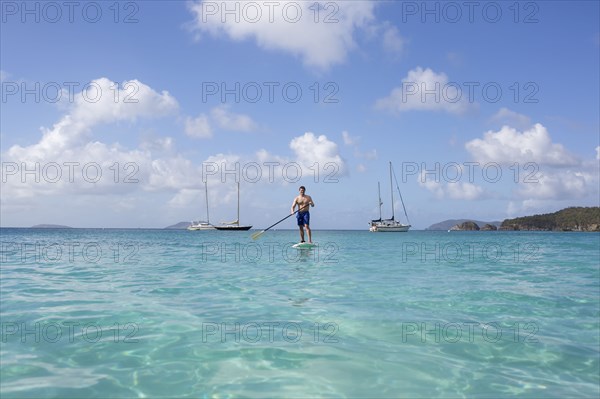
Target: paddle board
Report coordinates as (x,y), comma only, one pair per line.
(304,245)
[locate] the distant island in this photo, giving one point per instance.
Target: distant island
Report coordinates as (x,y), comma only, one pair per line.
(568,219)
(178,226)
(50,226)
(472,226)
(451,223)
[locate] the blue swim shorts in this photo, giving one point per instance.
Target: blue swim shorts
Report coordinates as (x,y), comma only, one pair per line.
(303,218)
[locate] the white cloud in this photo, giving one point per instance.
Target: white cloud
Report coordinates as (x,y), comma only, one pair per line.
(171,174)
(464,190)
(228,120)
(67,162)
(315,156)
(132,99)
(598,152)
(288,26)
(508,146)
(201,127)
(451,190)
(507,117)
(349,140)
(557,185)
(353,141)
(542,170)
(263,156)
(310,149)
(158,144)
(426,90)
(392,41)
(198,127)
(186,197)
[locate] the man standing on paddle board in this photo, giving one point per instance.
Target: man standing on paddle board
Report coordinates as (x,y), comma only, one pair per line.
(303,201)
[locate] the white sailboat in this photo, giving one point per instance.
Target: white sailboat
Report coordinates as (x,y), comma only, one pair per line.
(389,225)
(202,225)
(235,225)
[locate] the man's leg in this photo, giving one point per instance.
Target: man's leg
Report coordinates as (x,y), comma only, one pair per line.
(301,227)
(309,233)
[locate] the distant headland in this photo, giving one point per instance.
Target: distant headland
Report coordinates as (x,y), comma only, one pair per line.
(568,219)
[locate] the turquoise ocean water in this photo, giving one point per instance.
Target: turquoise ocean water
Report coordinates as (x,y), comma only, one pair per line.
(207,314)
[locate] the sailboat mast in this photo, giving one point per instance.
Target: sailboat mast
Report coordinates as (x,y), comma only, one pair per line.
(379,195)
(238,208)
(392,190)
(401,199)
(206,195)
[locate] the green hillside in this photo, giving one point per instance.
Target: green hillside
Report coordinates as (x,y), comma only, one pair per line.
(569,219)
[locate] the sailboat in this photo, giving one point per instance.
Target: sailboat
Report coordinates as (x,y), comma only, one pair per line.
(389,225)
(202,225)
(235,225)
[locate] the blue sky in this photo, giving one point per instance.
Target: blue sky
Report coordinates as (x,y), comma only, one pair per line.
(486,112)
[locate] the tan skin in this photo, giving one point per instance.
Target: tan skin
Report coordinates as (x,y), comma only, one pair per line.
(303,202)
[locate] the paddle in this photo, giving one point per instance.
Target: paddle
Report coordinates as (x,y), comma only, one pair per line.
(256,235)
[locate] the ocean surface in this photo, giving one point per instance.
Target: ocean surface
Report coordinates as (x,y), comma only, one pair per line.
(103,313)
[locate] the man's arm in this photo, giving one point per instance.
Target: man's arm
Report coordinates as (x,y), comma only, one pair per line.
(293,205)
(311,202)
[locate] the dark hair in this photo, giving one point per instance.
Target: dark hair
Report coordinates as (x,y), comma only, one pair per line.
(302,188)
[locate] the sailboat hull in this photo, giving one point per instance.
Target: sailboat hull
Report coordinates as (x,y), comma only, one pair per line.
(201,226)
(402,228)
(234,226)
(240,228)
